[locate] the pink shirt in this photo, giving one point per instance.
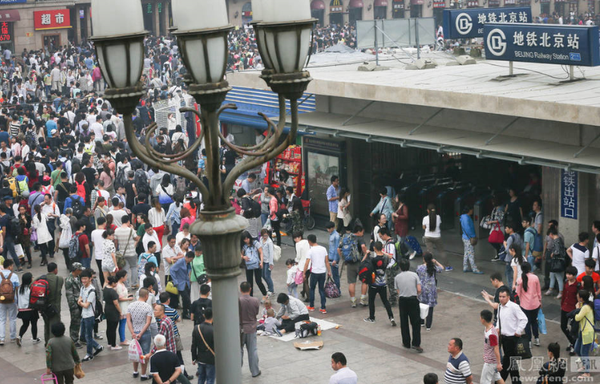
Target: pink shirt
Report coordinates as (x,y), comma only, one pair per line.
(273,208)
(532,299)
(188,220)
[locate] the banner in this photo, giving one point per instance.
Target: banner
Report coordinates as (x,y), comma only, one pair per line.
(543,43)
(52,19)
(568,194)
(463,23)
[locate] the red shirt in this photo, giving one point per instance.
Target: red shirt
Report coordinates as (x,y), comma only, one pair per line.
(83,241)
(595,277)
(569,297)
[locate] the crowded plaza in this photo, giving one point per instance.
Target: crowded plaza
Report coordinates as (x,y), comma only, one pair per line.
(453,270)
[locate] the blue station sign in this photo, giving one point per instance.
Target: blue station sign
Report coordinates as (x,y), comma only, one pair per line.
(12,1)
(466,23)
(543,43)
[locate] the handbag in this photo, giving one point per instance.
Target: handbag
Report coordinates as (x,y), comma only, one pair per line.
(135,352)
(331,290)
(556,264)
(496,236)
(120,256)
(484,222)
(78,371)
(205,343)
(522,349)
(33,237)
(171,288)
(473,241)
(541,319)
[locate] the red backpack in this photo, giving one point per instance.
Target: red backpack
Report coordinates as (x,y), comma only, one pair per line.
(39,292)
(81,190)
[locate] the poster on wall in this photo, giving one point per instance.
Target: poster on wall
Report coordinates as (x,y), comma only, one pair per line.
(568,194)
(320,169)
(52,19)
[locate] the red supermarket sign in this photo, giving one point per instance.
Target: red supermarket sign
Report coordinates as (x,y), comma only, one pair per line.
(52,19)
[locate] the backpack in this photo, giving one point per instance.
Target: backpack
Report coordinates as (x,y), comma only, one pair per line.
(121,178)
(7,291)
(349,248)
(366,272)
(14,186)
(74,250)
(253,210)
(81,189)
(39,291)
(299,278)
(141,182)
(47,189)
(97,306)
(15,227)
(22,186)
(77,207)
(538,243)
(307,328)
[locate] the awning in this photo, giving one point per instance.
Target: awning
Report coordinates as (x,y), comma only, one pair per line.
(380,3)
(356,4)
(9,15)
(317,4)
(442,139)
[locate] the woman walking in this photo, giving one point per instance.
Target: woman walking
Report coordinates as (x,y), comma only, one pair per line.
(468,238)
(109,261)
(112,312)
(273,210)
(124,299)
(585,340)
(252,255)
(165,191)
(530,294)
(268,251)
(427,273)
(496,228)
(158,218)
(344,210)
(400,218)
(26,314)
(43,234)
(433,234)
(24,237)
(265,198)
(513,212)
(516,263)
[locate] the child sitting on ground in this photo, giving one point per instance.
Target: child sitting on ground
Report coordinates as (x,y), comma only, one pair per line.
(264,313)
(271,323)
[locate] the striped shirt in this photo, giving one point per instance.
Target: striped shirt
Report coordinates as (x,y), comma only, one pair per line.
(491,341)
(174,316)
(457,369)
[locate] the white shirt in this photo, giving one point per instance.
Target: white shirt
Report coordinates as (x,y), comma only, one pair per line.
(344,376)
(51,208)
(515,263)
(595,252)
(117,215)
(98,242)
(170,252)
(436,232)
(98,131)
(579,256)
(318,256)
(180,236)
(156,218)
(302,248)
(146,239)
(390,249)
(511,319)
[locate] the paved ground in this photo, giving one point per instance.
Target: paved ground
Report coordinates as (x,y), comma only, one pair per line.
(374,351)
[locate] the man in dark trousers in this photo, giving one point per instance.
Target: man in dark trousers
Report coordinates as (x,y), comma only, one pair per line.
(408,285)
(249,307)
(55,284)
(203,349)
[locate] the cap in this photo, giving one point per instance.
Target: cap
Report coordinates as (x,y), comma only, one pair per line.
(52,132)
(77,266)
(8,197)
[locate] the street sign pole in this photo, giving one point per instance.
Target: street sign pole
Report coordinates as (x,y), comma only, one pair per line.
(376,47)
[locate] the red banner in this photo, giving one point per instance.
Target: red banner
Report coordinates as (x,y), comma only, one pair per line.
(52,19)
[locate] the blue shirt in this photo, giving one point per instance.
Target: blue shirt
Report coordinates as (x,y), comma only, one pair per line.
(180,273)
(334,241)
(468,230)
(332,192)
(252,252)
(69,201)
(4,137)
(50,125)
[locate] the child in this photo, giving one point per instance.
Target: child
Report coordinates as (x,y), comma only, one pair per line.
(271,323)
(265,312)
(291,277)
(491,352)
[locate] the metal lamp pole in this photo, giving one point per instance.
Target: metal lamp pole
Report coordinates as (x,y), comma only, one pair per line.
(218,227)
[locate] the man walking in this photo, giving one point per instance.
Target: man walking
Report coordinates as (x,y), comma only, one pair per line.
(55,284)
(203,349)
(392,267)
(72,290)
(180,273)
(352,250)
(87,301)
(334,257)
(126,238)
(492,365)
(408,285)
(249,307)
(512,322)
(333,199)
(319,270)
(8,300)
(458,369)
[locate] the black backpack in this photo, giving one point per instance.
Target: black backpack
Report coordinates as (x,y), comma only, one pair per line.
(15,227)
(253,209)
(98,310)
(77,207)
(366,272)
(121,178)
(141,182)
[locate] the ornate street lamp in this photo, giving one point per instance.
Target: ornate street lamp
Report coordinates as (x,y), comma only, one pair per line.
(284,37)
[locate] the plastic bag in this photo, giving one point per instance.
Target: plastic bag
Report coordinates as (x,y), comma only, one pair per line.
(541,319)
(65,238)
(424,308)
(135,352)
(276,252)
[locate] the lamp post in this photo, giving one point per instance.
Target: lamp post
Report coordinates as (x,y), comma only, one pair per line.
(284,39)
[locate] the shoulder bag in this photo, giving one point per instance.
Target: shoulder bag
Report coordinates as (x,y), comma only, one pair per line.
(204,341)
(120,256)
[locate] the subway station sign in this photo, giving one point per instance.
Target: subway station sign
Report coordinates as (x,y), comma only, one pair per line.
(543,43)
(466,23)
